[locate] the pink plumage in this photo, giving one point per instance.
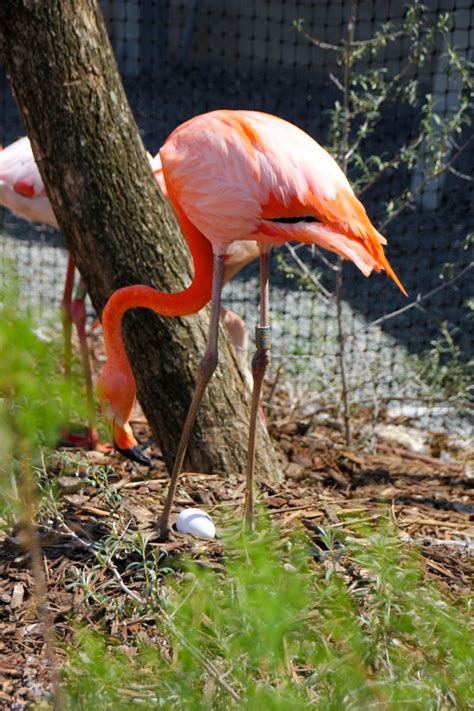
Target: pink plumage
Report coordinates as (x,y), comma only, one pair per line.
(238,175)
(21,187)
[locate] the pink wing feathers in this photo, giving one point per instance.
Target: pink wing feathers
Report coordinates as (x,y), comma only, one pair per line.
(242,175)
(21,187)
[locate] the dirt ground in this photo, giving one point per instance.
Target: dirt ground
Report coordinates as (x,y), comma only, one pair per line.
(429,496)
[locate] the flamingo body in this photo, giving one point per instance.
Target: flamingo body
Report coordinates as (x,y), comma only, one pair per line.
(22,191)
(21,186)
(246,175)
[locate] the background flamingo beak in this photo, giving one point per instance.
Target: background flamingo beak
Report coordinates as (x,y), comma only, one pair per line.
(132,452)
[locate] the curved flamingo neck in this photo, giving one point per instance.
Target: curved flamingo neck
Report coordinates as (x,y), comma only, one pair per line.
(182,303)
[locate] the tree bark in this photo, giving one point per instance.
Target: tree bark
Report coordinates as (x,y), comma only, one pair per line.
(116,223)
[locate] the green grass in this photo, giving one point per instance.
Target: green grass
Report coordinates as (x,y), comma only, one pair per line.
(358,628)
(33,394)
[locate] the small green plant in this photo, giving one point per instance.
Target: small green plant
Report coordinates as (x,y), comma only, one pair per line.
(32,393)
(445,371)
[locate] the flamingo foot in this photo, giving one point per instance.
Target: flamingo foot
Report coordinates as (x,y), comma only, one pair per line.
(164,531)
(135,454)
(85,439)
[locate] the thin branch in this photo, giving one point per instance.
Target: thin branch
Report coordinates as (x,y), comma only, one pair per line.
(363,130)
(342,357)
(355,43)
(458,174)
(325,261)
(340,271)
(336,81)
(309,274)
(321,44)
(374,40)
(413,304)
(425,182)
(347,64)
(411,146)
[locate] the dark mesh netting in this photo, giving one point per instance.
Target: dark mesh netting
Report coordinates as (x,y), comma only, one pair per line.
(386,88)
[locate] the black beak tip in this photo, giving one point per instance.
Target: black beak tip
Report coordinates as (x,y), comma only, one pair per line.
(135,454)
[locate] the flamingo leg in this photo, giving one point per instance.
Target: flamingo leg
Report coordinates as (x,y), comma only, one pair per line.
(66,314)
(206,368)
(238,334)
(260,363)
(78,315)
(67,329)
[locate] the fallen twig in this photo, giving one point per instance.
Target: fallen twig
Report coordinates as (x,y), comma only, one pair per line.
(467,544)
(407,454)
(107,562)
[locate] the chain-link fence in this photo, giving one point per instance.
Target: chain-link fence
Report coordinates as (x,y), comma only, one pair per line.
(385,87)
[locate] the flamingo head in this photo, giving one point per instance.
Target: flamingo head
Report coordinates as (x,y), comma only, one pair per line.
(116,390)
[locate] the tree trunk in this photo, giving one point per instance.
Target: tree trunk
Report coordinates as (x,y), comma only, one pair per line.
(116,223)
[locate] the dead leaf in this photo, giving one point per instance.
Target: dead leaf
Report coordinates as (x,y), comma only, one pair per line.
(17,596)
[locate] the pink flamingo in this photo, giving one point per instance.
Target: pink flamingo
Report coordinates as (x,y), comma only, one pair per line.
(233,176)
(22,191)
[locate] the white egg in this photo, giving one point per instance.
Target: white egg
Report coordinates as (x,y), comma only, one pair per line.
(196,522)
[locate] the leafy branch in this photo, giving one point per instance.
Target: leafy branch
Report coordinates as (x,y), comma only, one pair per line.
(395,207)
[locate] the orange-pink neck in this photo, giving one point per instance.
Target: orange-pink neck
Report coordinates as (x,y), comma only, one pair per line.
(182,303)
